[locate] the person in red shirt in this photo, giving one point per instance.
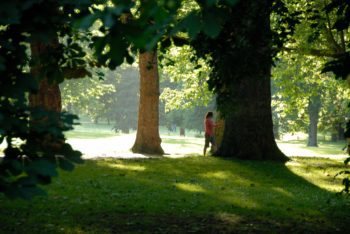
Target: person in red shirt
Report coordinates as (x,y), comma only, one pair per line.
(209,131)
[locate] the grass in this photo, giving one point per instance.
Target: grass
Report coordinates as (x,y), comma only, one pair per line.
(184,195)
(100,139)
(91,131)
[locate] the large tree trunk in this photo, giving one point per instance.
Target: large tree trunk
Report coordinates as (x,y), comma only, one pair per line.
(147,137)
(248,130)
(341,132)
(48,95)
(313,109)
(247,94)
(219,131)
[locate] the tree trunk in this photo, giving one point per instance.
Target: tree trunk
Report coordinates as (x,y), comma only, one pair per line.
(219,131)
(248,130)
(126,131)
(334,137)
(313,109)
(341,132)
(182,132)
(147,136)
(69,108)
(276,131)
(48,95)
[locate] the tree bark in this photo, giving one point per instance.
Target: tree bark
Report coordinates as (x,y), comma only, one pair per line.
(341,132)
(147,137)
(248,130)
(219,131)
(182,132)
(246,95)
(48,95)
(313,109)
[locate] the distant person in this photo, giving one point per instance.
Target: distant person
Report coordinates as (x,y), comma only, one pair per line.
(209,131)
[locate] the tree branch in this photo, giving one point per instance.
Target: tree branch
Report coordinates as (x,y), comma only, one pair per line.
(330,37)
(311,52)
(342,38)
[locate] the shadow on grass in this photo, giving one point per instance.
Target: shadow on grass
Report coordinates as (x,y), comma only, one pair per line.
(204,195)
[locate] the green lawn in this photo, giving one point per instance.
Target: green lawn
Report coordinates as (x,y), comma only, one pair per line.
(100,140)
(186,194)
(193,194)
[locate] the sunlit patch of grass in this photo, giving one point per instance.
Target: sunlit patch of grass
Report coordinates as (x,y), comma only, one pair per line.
(299,148)
(199,194)
(91,131)
(127,167)
(189,187)
(319,172)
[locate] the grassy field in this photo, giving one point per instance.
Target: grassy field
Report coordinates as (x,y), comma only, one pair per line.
(101,140)
(186,195)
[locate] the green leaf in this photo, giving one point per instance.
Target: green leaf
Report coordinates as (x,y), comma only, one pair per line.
(42,167)
(232,2)
(29,193)
(66,165)
(211,2)
(211,24)
(193,24)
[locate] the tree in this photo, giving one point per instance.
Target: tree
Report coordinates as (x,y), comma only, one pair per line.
(186,77)
(241,79)
(35,160)
(89,96)
(185,91)
(47,95)
(147,136)
(307,96)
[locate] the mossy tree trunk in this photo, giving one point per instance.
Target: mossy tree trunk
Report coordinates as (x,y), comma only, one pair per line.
(147,136)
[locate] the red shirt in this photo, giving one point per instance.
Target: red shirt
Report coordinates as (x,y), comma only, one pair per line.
(209,127)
